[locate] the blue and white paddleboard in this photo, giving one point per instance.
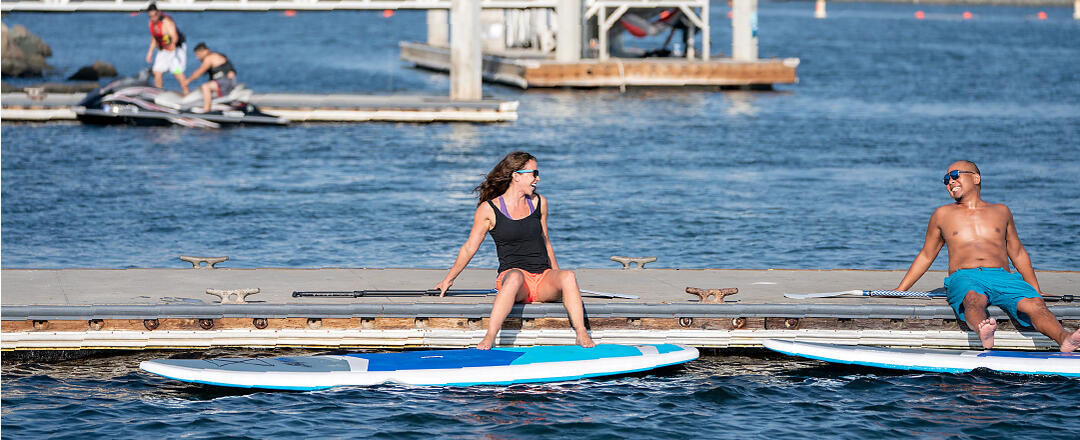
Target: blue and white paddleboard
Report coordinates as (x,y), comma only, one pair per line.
(945,361)
(498,366)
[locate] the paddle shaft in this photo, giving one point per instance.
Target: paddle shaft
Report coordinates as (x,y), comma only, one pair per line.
(430,292)
(906,294)
(363,293)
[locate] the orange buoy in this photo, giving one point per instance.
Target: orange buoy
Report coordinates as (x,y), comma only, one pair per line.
(387,13)
(967,15)
(919,15)
(730,14)
(134,14)
(1042,15)
(290,13)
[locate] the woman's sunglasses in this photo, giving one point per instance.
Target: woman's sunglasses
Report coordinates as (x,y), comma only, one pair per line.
(954,175)
(535,173)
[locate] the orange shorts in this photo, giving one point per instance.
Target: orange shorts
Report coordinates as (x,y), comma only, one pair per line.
(532,282)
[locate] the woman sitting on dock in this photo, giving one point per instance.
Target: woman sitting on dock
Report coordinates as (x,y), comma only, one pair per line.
(528,271)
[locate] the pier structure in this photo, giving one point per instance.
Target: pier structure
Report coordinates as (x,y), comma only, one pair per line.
(577,43)
(204,307)
(533,43)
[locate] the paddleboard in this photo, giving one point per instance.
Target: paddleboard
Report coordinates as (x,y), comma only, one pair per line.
(946,361)
(498,366)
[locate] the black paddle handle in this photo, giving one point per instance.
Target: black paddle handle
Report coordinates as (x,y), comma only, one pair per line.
(363,293)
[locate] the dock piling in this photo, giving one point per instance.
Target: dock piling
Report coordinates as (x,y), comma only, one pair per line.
(465,51)
(568,40)
(438,27)
(744,25)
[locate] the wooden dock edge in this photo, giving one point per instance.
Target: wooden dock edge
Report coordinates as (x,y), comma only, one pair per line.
(640,72)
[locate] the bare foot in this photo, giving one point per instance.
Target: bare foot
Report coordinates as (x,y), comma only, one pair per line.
(585,341)
(986,332)
(486,343)
(1071,343)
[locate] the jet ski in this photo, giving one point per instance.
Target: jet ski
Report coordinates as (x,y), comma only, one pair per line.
(135,101)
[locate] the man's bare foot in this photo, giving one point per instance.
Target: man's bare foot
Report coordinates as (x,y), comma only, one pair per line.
(486,343)
(585,341)
(986,332)
(1071,343)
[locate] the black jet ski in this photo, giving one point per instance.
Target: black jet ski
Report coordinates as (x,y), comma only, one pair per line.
(135,101)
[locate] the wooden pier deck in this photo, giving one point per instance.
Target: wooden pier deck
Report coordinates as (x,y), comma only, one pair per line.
(299,108)
(519,69)
(74,309)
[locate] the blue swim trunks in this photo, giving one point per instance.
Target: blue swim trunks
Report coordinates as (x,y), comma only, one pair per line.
(1001,288)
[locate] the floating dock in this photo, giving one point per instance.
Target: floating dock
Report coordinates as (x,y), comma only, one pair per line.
(524,70)
(84,309)
(47,107)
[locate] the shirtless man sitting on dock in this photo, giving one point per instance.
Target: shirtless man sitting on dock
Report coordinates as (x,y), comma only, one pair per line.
(982,239)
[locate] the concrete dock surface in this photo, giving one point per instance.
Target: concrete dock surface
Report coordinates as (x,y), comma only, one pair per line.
(46,309)
(657,286)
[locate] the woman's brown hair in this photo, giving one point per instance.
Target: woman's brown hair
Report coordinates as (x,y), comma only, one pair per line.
(498,180)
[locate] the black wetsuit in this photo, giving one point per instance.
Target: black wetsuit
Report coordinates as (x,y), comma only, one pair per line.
(520,243)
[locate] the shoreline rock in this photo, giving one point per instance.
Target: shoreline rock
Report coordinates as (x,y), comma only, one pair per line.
(93,72)
(23,53)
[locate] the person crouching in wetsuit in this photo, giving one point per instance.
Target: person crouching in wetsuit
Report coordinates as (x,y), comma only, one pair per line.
(221,73)
(516,217)
(169,41)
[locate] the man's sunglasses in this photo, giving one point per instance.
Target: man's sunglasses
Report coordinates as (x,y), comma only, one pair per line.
(954,175)
(535,173)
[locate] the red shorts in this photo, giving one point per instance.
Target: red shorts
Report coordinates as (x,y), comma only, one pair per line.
(532,282)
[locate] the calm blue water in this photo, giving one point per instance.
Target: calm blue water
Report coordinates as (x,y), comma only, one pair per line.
(714,397)
(840,170)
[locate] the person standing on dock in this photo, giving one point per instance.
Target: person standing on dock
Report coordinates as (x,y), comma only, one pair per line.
(528,271)
(982,239)
(169,41)
(222,75)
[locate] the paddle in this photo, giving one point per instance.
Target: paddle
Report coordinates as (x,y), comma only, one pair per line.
(429,292)
(363,293)
(608,295)
(904,294)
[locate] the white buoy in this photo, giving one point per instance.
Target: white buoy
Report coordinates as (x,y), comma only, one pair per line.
(1076,10)
(819,9)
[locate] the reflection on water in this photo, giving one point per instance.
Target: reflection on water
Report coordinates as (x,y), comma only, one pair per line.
(740,103)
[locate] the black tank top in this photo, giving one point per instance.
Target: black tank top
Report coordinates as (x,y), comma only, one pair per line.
(520,243)
(222,70)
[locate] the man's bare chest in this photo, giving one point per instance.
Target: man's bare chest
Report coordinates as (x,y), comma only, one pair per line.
(974,225)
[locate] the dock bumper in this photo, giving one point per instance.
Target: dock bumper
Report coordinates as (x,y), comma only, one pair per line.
(460,325)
